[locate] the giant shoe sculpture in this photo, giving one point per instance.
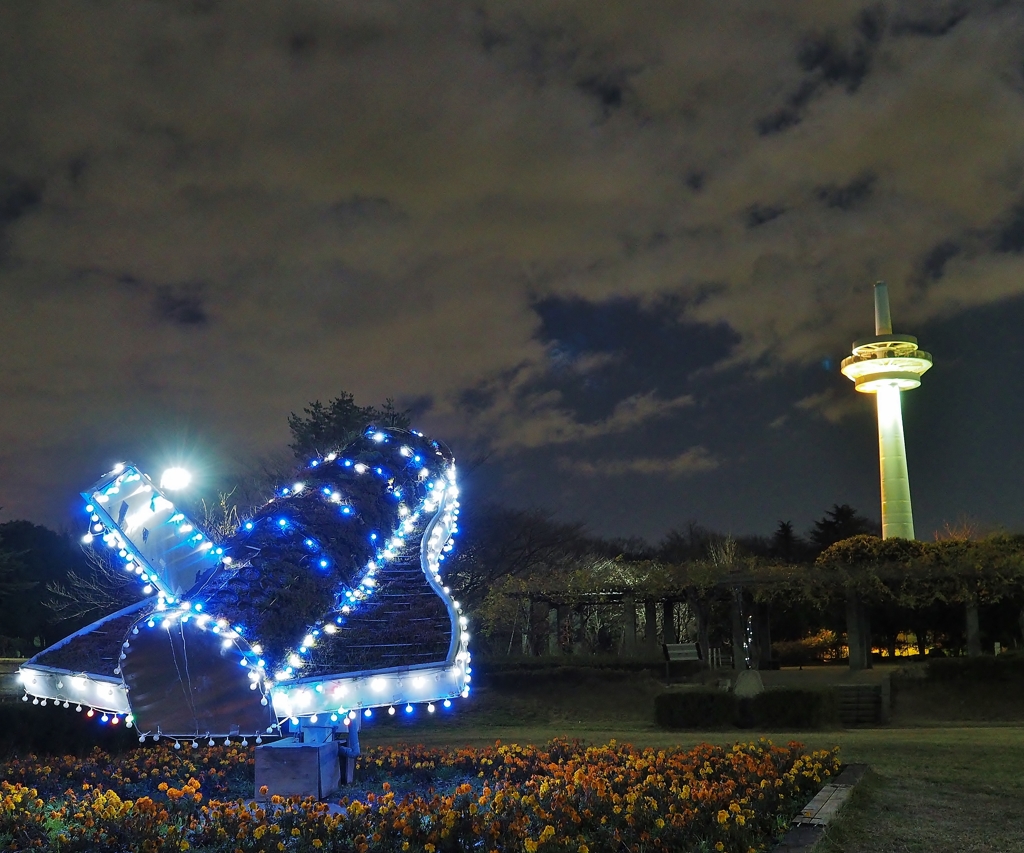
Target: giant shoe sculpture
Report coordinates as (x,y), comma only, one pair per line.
(328,600)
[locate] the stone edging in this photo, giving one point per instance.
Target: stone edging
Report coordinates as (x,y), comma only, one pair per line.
(809,826)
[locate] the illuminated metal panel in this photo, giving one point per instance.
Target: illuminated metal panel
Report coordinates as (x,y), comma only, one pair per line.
(134,516)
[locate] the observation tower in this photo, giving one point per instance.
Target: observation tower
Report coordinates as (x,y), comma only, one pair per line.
(886,365)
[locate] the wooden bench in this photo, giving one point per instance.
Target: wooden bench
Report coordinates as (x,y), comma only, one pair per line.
(680,652)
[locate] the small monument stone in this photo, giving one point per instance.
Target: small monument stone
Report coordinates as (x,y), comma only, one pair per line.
(748,683)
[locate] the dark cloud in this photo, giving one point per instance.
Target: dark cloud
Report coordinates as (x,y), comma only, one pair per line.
(17,198)
(933,265)
(363,209)
(835,65)
(929,20)
(603,352)
(759,214)
(847,196)
(76,169)
(1010,234)
(180,305)
(828,60)
(608,90)
(562,231)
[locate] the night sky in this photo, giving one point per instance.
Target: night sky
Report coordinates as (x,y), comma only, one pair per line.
(617,250)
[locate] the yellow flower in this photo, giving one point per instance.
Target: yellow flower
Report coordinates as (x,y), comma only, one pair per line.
(719,847)
(584,849)
(183,845)
(317,843)
(530,845)
(723,816)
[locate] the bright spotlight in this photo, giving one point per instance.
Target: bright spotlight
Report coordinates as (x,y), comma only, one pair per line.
(175,478)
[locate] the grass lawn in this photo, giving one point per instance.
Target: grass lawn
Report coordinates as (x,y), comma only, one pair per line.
(930,790)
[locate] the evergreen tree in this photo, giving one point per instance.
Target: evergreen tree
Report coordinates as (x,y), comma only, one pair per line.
(786,545)
(326,428)
(839,523)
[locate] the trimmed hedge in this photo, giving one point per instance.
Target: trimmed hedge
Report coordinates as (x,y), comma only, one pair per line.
(555,678)
(1005,667)
(795,709)
(773,709)
(695,709)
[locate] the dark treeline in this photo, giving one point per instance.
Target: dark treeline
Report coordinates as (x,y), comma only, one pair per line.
(535,584)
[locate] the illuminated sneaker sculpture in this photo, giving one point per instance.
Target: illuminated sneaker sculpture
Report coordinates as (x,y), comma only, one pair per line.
(887,365)
(328,601)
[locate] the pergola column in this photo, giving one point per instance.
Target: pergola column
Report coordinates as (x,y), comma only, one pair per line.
(668,621)
(628,624)
(650,626)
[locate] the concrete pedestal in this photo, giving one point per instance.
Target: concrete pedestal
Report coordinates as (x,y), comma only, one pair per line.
(291,768)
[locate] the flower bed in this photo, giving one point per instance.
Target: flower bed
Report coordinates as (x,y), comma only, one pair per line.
(565,796)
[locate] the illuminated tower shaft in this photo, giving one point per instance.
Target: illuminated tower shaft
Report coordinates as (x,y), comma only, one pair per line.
(886,365)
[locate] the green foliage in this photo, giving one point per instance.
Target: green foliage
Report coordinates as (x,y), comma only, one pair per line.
(840,522)
(787,709)
(695,709)
(808,650)
(12,573)
(917,574)
(35,556)
(987,668)
(26,728)
(782,709)
(327,428)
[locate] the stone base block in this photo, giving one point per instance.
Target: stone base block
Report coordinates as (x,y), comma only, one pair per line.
(291,768)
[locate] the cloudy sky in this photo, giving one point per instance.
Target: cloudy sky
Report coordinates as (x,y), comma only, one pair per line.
(617,249)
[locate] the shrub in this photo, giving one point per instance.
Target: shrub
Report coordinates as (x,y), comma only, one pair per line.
(794,709)
(695,709)
(817,648)
(27,728)
(1005,667)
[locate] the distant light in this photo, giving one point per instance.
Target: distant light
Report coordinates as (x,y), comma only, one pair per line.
(175,478)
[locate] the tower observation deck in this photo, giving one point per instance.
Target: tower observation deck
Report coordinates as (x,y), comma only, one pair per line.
(886,365)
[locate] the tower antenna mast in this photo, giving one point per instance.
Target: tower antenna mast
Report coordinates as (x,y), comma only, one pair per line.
(886,365)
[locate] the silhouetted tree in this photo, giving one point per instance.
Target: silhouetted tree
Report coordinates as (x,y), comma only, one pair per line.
(786,545)
(11,576)
(41,556)
(495,542)
(839,523)
(688,545)
(326,428)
